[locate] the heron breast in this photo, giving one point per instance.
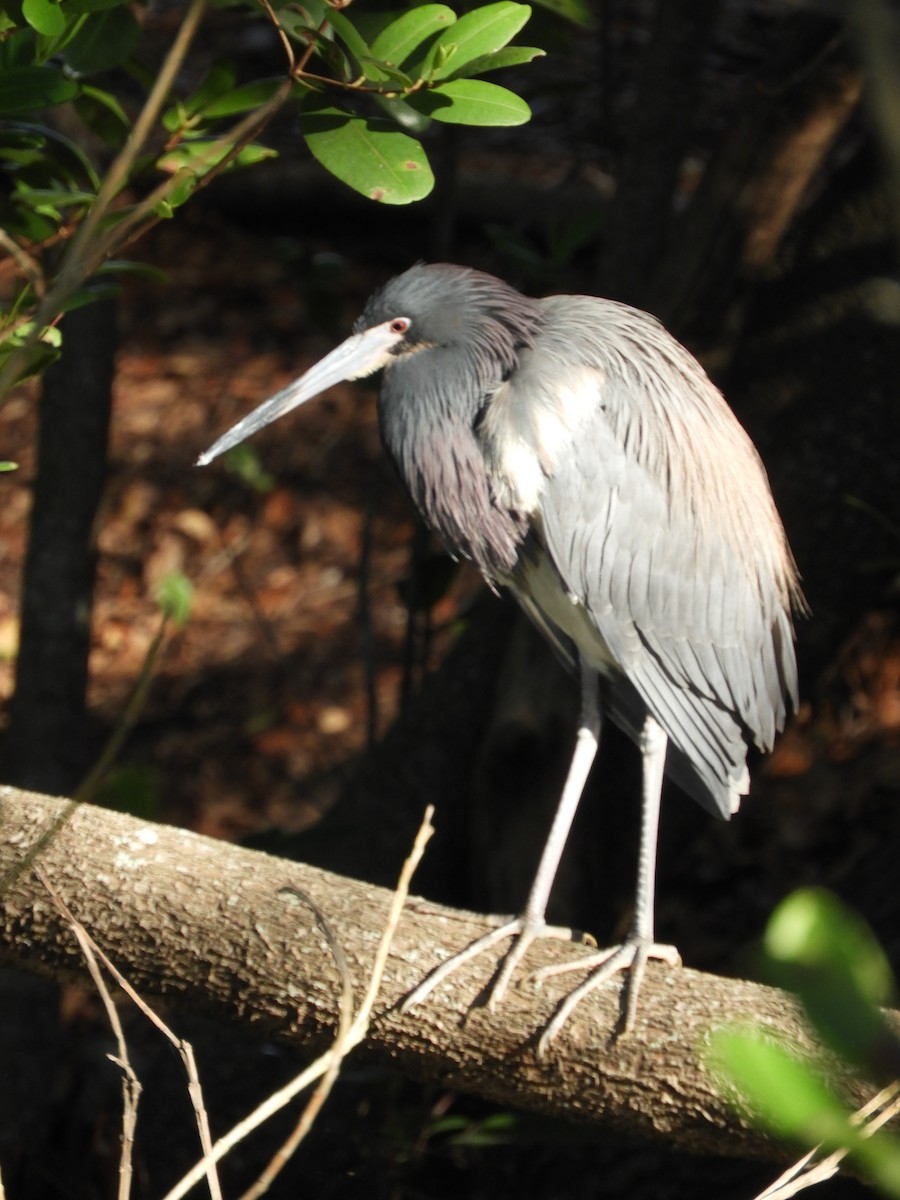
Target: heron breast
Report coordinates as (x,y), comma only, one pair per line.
(529,424)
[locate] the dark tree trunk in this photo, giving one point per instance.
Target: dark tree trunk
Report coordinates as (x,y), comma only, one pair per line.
(668,91)
(46,743)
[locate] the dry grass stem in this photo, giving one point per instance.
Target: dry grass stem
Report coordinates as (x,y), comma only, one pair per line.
(93,954)
(131,1087)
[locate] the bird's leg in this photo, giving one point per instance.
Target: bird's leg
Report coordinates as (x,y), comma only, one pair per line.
(639,946)
(531,924)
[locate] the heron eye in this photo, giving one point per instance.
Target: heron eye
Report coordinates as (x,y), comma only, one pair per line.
(399,325)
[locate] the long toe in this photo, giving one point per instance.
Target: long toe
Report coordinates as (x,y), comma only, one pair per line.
(523,930)
(632,956)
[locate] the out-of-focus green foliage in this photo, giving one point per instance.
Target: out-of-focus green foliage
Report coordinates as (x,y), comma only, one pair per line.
(826,954)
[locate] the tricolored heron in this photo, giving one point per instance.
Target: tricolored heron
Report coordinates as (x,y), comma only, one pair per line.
(580,457)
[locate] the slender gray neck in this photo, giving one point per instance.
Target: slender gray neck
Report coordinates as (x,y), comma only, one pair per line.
(428,413)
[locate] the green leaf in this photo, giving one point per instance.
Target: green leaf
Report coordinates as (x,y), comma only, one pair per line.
(483,31)
(509,56)
(813,928)
(189,161)
(122,266)
(31,226)
(42,198)
(32,363)
(576,11)
(353,40)
(105,41)
(371,156)
(44,16)
(471,102)
(103,114)
(217,81)
(311,12)
(175,597)
(827,954)
(9,466)
(54,157)
(25,88)
(789,1097)
(783,1092)
(398,41)
(412,122)
(51,336)
(243,99)
(244,462)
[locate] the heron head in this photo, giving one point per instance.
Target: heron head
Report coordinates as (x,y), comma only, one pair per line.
(428,307)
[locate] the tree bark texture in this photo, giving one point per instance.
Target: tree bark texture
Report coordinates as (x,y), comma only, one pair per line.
(46,743)
(220,929)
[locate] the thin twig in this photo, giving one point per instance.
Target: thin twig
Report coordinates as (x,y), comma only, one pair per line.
(313,1107)
(354,1034)
(110,752)
(131,1086)
(27,264)
(118,173)
(206,168)
(12,873)
(184,1048)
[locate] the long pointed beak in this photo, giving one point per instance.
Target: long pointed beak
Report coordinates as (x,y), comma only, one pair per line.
(361,354)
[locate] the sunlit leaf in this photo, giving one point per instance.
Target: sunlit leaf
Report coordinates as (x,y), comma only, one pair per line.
(404,35)
(471,102)
(198,158)
(371,156)
(44,16)
(826,953)
(31,362)
(509,56)
(243,99)
(790,1098)
(42,198)
(813,928)
(482,31)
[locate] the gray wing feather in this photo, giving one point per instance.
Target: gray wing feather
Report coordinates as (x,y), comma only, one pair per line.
(674,550)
